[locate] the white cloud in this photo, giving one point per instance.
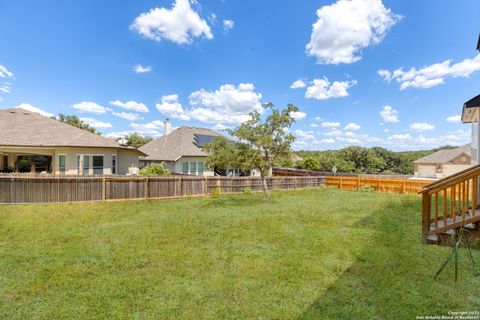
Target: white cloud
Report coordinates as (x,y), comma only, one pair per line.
(141,69)
(327,141)
(352,126)
(321,89)
(317,118)
(299,83)
(5,87)
(432,75)
(170,107)
(127,116)
(304,135)
(400,137)
(313,125)
(153,128)
(118,134)
(89,107)
(5,73)
(227,25)
(454,119)
(298,115)
(420,126)
(96,123)
(389,114)
(179,24)
(408,142)
(228,104)
(31,108)
(331,125)
(346,27)
(130,105)
(219,127)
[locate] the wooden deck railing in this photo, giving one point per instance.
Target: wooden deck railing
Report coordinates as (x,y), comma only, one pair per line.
(450,203)
(25,189)
(377,184)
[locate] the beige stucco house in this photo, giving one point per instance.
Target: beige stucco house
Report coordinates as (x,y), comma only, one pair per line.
(30,142)
(443,163)
(181,150)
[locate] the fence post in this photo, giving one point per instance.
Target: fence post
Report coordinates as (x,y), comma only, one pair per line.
(104,189)
(403,186)
(145,189)
(205,187)
(340,184)
(358,183)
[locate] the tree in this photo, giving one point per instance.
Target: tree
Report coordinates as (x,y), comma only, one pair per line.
(76,122)
(311,163)
(154,169)
(135,140)
(259,143)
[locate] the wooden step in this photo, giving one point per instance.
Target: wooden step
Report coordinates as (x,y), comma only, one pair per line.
(449,224)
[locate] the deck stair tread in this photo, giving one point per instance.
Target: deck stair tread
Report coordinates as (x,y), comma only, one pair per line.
(466,220)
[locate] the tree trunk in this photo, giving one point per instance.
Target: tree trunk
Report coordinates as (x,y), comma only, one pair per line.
(265,185)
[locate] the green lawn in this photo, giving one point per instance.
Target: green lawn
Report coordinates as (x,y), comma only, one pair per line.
(313,254)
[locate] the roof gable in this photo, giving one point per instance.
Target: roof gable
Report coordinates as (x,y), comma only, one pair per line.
(181,142)
(445,156)
(19,127)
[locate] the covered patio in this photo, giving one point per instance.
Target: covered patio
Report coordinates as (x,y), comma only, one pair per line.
(26,160)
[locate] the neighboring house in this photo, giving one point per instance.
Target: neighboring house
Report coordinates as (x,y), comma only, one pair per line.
(30,142)
(181,150)
(471,114)
(443,163)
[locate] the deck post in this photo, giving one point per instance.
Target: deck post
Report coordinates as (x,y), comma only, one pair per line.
(425,216)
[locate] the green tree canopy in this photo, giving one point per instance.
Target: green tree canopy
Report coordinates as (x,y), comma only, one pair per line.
(135,140)
(76,122)
(259,143)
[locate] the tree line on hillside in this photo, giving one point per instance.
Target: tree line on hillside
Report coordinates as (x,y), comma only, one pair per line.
(361,160)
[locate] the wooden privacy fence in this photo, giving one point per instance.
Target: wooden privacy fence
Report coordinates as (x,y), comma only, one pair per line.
(71,189)
(378,184)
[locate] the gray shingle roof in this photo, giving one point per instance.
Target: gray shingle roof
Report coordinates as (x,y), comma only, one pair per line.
(180,142)
(445,156)
(19,127)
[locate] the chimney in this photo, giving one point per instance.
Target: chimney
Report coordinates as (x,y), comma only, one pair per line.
(167,127)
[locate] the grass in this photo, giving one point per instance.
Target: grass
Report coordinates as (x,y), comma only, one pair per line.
(312,254)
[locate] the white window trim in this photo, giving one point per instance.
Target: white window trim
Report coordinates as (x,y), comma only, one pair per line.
(116,164)
(65,169)
(90,162)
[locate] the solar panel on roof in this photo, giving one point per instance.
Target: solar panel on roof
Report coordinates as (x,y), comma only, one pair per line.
(200,140)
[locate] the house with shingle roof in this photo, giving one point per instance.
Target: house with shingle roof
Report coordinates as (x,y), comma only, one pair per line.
(30,142)
(181,150)
(443,162)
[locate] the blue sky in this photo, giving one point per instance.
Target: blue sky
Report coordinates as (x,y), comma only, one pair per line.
(391,73)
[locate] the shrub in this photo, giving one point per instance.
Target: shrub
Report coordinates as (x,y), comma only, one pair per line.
(366,188)
(247,191)
(155,169)
(216,192)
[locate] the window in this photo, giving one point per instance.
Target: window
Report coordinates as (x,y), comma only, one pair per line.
(5,162)
(185,168)
(97,162)
(193,167)
(439,168)
(86,164)
(78,163)
(114,164)
(200,168)
(62,160)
